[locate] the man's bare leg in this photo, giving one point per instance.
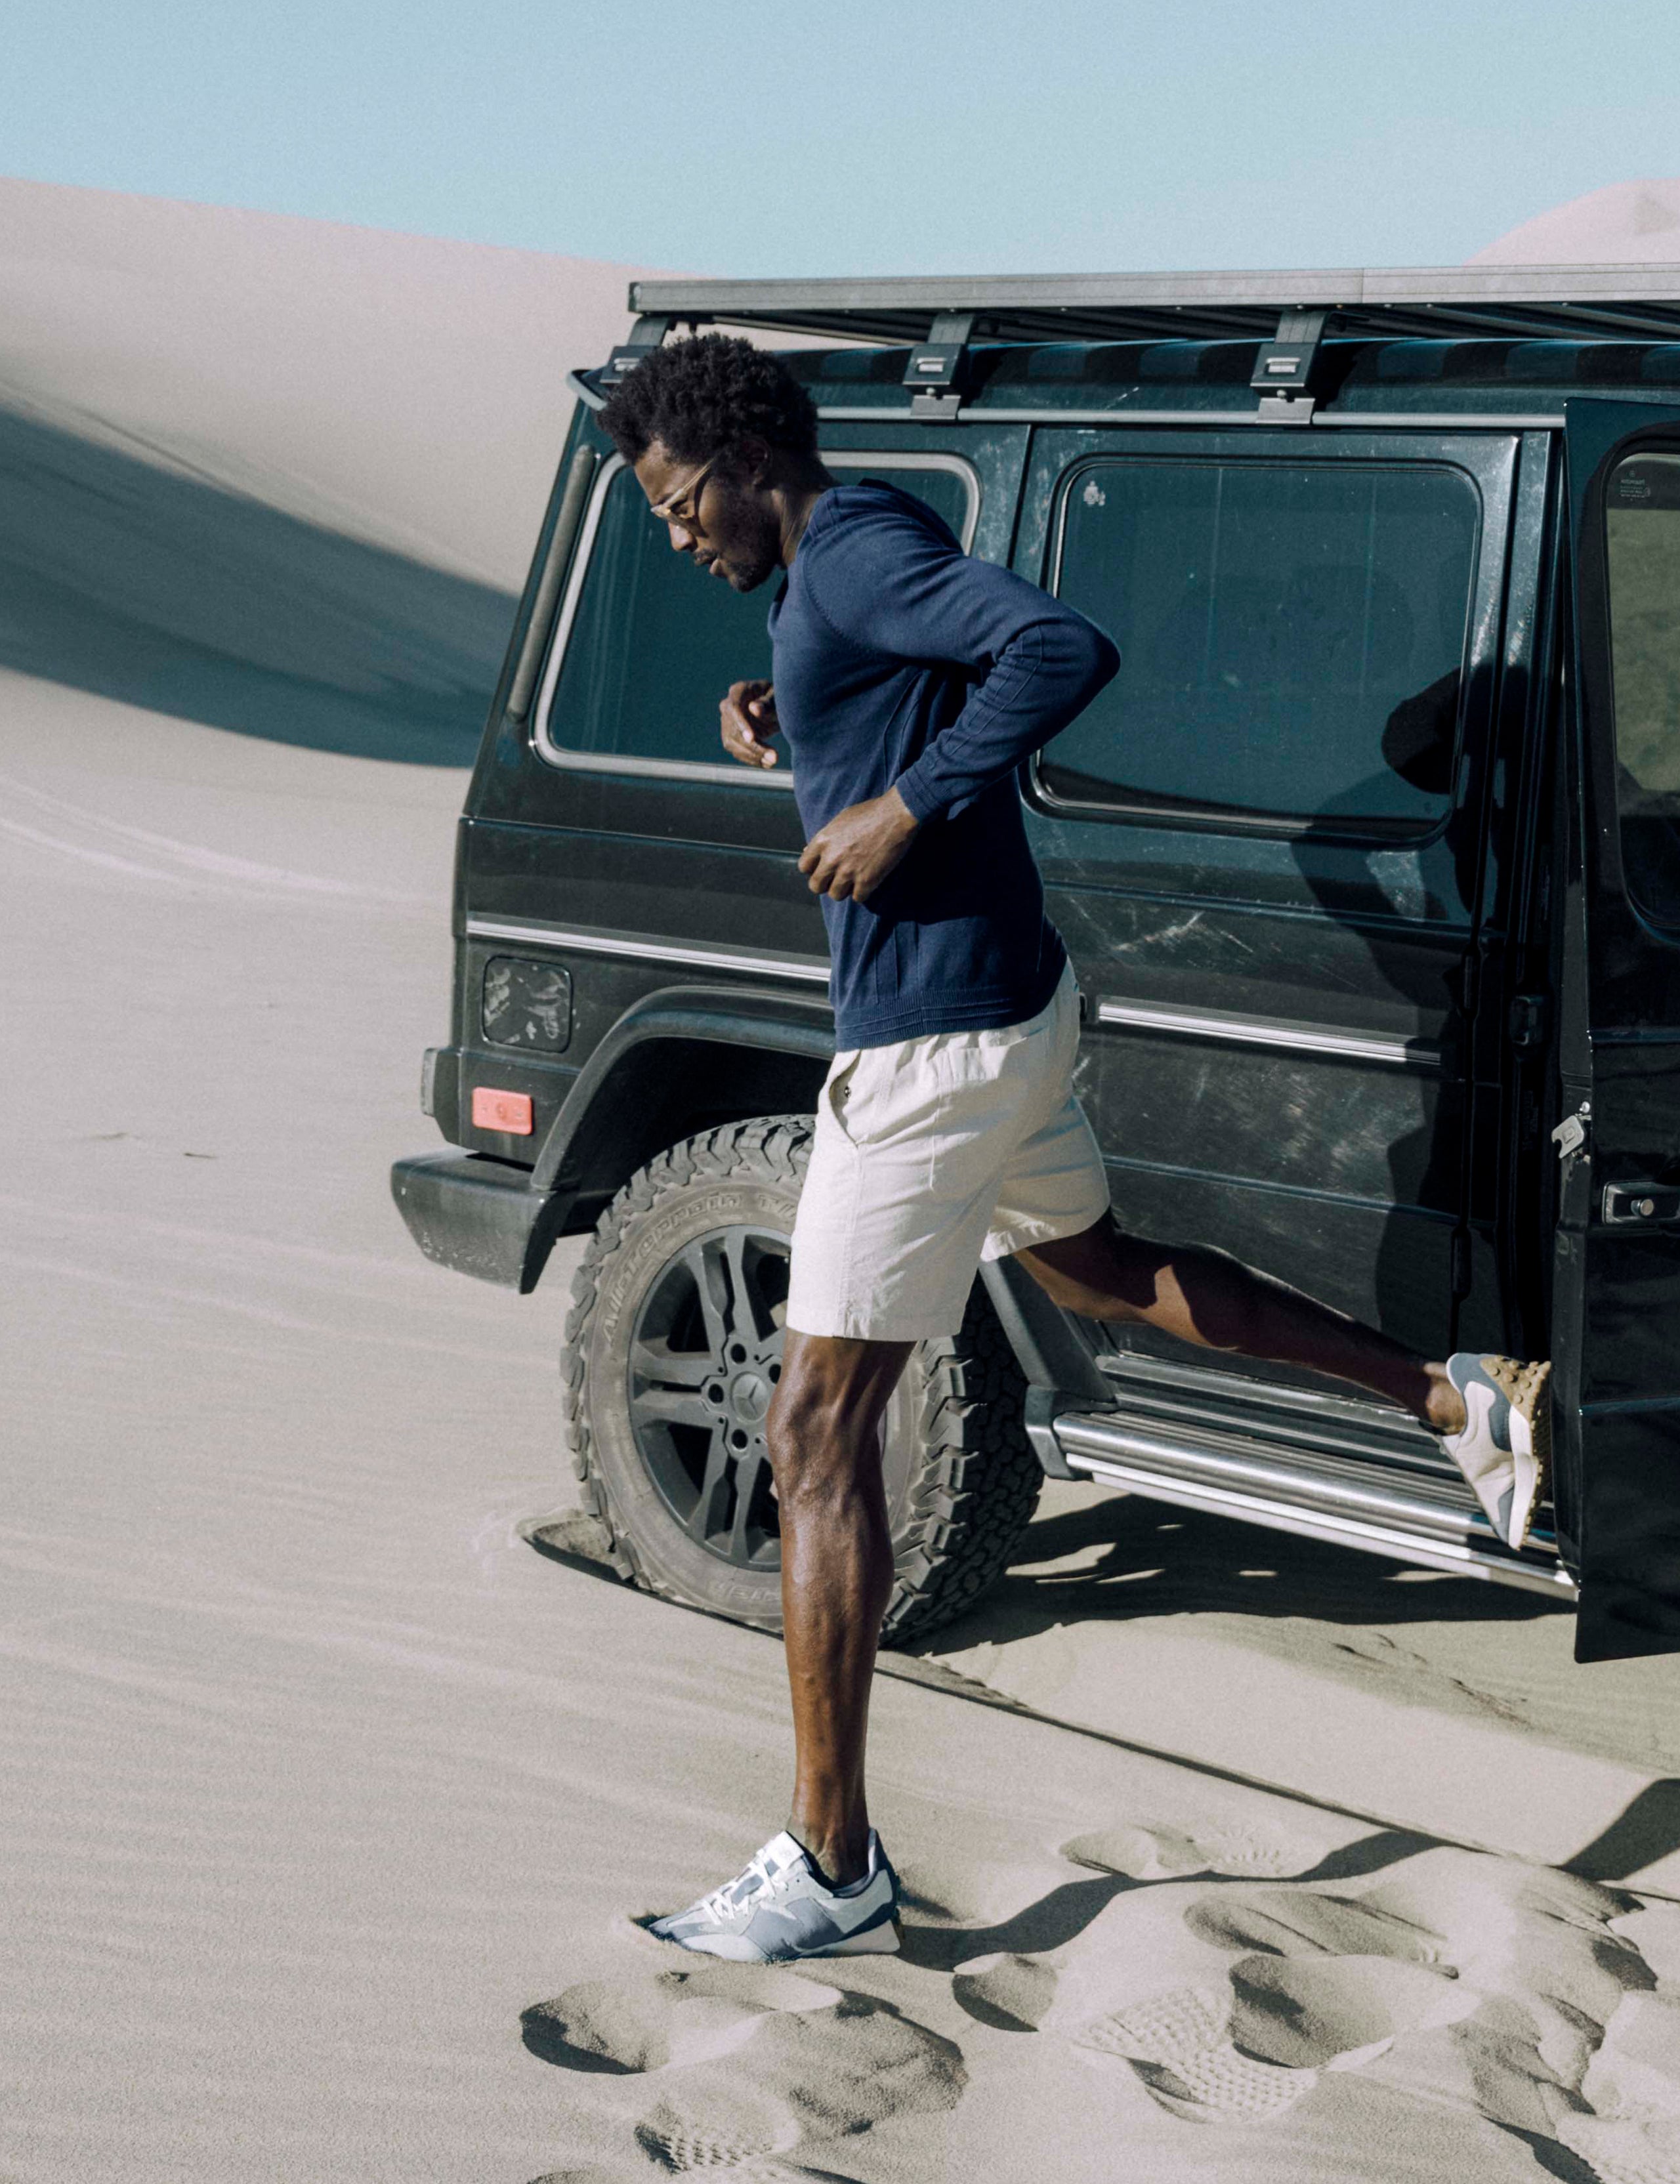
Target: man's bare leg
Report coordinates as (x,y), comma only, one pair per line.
(823,1434)
(1206,1297)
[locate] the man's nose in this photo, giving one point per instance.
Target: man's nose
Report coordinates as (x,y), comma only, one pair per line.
(682,540)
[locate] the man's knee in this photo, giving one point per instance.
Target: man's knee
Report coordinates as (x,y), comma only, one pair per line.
(824,1425)
(1101,1273)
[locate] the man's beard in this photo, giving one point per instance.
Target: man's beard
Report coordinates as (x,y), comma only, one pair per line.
(747,575)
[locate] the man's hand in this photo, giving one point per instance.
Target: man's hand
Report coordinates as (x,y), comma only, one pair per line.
(855,851)
(749,716)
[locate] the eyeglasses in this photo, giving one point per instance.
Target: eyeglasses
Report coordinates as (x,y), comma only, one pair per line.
(682,506)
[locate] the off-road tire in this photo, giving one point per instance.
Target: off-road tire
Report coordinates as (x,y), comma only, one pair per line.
(967,1478)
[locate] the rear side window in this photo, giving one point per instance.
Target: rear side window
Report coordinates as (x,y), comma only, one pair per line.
(1642,528)
(1292,639)
(645,645)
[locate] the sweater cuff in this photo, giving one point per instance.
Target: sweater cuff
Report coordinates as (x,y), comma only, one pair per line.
(920,803)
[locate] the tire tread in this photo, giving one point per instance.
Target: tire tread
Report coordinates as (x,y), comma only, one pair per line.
(979,1478)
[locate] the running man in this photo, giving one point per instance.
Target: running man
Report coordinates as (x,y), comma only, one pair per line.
(910,682)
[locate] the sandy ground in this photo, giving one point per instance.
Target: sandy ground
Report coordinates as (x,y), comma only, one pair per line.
(329,1803)
(330,1806)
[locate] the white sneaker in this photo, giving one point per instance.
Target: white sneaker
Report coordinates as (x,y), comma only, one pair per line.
(1505,1450)
(778,1910)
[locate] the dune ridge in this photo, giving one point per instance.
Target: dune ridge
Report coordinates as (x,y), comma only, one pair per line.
(1625,224)
(399,389)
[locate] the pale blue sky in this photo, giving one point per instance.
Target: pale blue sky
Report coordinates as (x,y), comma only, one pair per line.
(875,137)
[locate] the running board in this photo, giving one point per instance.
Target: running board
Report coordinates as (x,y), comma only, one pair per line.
(1408,1516)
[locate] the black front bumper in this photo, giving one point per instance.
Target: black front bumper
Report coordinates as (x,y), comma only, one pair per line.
(479,1216)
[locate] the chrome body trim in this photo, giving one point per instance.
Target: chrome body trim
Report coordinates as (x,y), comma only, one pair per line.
(1442,421)
(1422,1056)
(646,948)
(724,772)
(1233,1480)
(580,477)
(1348,1410)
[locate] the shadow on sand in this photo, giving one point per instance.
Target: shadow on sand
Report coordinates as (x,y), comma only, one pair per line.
(1648,1830)
(160,590)
(1140,1559)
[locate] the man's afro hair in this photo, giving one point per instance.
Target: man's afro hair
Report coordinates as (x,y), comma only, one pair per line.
(703,396)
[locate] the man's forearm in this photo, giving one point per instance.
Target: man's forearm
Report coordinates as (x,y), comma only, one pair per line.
(1044,679)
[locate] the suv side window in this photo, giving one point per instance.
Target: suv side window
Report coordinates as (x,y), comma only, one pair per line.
(644,647)
(1642,540)
(1292,639)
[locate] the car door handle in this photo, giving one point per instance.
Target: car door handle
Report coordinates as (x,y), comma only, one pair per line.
(1630,1204)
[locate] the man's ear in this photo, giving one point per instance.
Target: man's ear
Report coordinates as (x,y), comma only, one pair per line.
(757,459)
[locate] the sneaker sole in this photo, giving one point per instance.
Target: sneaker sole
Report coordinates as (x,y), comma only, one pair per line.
(883,1941)
(1528,1388)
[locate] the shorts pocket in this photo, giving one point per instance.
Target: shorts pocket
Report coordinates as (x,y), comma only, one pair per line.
(1013,1053)
(837,1091)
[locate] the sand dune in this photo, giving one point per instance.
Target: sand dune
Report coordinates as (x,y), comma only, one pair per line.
(330,1808)
(404,391)
(1628,224)
(274,475)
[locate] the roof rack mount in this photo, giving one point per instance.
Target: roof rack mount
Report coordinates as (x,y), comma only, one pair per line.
(939,365)
(1287,367)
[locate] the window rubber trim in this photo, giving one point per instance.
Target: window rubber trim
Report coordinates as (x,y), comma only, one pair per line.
(563,757)
(1218,819)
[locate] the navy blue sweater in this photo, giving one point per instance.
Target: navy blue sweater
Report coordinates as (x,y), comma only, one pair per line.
(898,660)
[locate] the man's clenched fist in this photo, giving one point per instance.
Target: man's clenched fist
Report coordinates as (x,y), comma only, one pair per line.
(854,852)
(749,717)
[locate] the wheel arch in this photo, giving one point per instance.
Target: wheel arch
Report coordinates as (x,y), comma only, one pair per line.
(680,1061)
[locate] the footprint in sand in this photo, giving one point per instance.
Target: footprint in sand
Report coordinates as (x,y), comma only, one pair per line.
(748,2061)
(1516,1993)
(673,2017)
(1165,1853)
(1180,2045)
(718,2125)
(1251,2049)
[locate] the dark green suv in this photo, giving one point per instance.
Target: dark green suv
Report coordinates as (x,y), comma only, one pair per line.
(1368,863)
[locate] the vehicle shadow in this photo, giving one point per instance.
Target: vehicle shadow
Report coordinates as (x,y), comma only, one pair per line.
(1121,1559)
(161,590)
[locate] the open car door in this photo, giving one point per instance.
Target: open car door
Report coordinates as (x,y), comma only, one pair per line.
(1616,1276)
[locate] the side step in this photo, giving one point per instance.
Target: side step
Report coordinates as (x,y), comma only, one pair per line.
(1354,1474)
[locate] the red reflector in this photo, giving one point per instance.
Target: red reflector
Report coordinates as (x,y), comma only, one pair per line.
(501,1110)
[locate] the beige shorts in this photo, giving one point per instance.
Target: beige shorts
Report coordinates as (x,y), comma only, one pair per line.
(932,1155)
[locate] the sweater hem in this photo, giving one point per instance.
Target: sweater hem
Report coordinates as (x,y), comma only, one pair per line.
(990,1010)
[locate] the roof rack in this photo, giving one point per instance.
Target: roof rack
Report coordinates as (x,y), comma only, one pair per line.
(1486,301)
